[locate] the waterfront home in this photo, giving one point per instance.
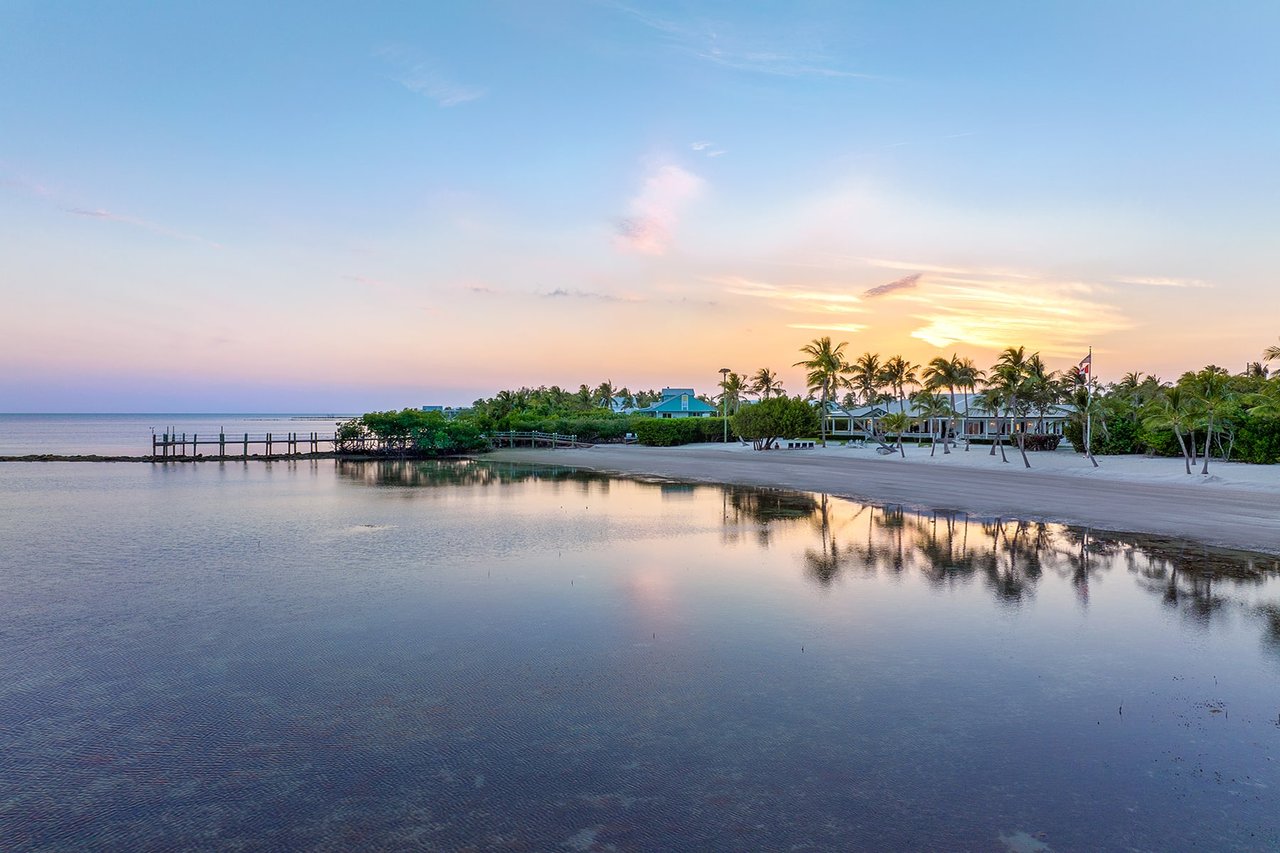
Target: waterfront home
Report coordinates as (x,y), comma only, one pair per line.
(678,403)
(449,412)
(972,421)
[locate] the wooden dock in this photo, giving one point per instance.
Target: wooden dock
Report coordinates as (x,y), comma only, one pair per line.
(183,447)
(290,445)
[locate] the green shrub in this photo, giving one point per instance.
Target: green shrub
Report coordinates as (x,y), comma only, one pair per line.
(668,432)
(777,417)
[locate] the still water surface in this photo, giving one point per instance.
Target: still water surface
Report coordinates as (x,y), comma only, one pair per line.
(435,655)
(130,434)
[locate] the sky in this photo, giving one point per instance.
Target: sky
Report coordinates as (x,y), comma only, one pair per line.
(222,206)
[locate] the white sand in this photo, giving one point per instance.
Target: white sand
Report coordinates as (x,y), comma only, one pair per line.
(1235,505)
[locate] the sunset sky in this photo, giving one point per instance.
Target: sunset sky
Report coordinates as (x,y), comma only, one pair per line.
(333,207)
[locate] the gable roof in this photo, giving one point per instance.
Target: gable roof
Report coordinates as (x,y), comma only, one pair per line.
(675,404)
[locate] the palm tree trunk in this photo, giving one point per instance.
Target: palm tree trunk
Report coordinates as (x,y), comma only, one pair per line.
(1186,457)
(1208,434)
(964,422)
(901,449)
(822,424)
(933,443)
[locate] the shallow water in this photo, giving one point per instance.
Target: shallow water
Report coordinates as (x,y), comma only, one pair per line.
(130,435)
(381,655)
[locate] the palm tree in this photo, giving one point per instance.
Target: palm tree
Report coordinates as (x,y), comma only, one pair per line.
(1010,375)
(826,368)
(864,376)
(1086,406)
(968,375)
(992,400)
(944,373)
(1271,354)
(897,423)
(1213,393)
(898,373)
(1256,370)
(1174,410)
(731,390)
(1267,403)
(766,383)
(1043,388)
(930,407)
(604,394)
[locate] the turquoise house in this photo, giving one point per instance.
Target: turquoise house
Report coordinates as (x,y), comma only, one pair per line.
(678,403)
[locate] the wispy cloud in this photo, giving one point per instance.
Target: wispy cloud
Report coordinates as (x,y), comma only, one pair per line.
(596,296)
(1057,317)
(916,266)
(1163,282)
(707,149)
(155,228)
(654,211)
(47,195)
(423,77)
(830,327)
(791,298)
(905,283)
(773,53)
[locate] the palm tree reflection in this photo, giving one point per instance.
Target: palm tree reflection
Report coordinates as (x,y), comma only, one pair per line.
(1009,557)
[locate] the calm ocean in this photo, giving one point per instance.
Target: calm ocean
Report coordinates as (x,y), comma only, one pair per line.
(360,655)
(130,434)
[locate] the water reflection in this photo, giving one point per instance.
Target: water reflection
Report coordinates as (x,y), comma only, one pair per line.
(1010,557)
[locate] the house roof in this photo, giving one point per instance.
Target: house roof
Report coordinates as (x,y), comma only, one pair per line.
(675,404)
(965,404)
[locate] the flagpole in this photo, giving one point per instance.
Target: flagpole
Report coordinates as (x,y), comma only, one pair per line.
(1088,410)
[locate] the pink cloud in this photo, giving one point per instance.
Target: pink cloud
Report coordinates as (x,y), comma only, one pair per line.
(655,210)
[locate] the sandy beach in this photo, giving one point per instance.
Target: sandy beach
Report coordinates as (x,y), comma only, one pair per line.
(1234,506)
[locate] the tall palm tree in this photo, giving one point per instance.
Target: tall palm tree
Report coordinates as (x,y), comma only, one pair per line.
(1271,354)
(827,368)
(1043,388)
(1175,410)
(1213,392)
(899,373)
(864,376)
(968,375)
(1087,406)
(1010,375)
(731,390)
(943,373)
(1256,370)
(992,400)
(766,383)
(929,407)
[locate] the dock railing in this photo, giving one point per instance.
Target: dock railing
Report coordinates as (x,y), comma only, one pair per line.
(175,445)
(535,439)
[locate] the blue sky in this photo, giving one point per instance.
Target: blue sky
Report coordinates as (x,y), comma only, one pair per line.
(297,206)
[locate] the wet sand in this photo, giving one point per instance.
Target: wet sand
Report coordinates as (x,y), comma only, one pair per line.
(1243,514)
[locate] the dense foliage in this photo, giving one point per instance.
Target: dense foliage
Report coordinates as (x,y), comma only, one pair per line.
(413,431)
(1236,417)
(764,422)
(668,432)
(1206,414)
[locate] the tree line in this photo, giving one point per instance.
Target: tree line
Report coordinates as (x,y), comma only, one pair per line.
(1203,414)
